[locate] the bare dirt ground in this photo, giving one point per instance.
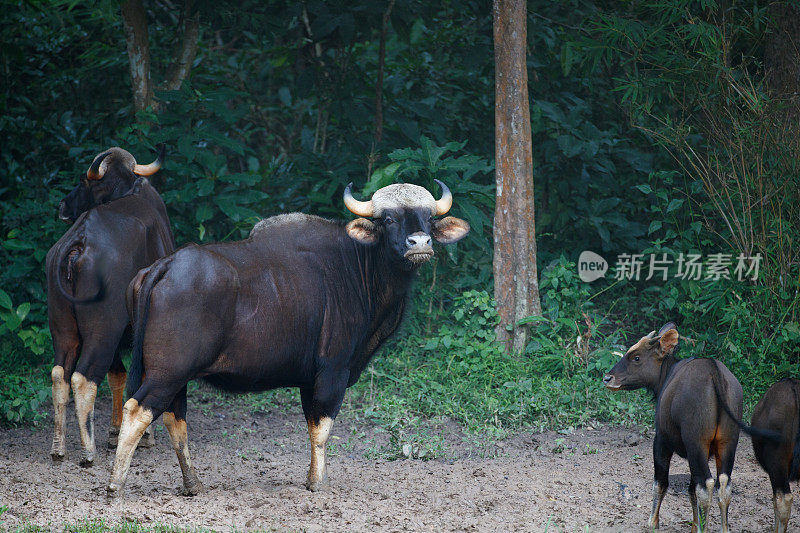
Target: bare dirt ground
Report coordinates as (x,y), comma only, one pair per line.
(254,465)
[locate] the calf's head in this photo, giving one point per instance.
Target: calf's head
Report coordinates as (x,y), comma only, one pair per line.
(641,364)
(403,221)
(111,176)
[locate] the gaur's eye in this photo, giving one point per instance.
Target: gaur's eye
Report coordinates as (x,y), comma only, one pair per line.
(388,220)
(636,358)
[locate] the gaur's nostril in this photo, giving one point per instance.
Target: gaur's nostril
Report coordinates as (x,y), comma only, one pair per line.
(606,378)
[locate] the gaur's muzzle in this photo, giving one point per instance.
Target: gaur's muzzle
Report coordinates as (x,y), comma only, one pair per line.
(419,247)
(611,382)
(62,212)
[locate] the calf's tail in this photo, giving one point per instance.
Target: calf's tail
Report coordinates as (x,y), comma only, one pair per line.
(140,308)
(760,433)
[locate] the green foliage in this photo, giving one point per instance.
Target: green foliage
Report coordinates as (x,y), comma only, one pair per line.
(23,398)
(460,372)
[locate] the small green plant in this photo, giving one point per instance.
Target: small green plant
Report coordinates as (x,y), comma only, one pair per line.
(559,445)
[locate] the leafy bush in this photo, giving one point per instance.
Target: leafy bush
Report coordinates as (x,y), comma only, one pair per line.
(460,372)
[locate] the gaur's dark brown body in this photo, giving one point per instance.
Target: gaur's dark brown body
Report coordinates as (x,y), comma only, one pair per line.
(88,270)
(304,302)
(698,412)
(779,411)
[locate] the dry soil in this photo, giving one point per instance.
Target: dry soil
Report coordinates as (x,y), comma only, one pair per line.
(253,467)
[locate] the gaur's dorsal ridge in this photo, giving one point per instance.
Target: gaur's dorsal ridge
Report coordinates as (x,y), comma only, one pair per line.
(286,218)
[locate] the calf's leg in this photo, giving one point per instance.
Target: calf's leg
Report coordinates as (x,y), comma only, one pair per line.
(782,502)
(781,492)
(320,407)
(175,421)
(701,490)
(662,455)
(725,460)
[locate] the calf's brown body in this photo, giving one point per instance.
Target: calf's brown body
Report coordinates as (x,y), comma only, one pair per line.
(698,412)
(779,411)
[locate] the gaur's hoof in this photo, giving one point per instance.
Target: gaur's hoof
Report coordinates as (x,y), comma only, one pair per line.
(192,490)
(316,486)
(87,459)
(113,437)
(58,450)
(148,440)
(191,483)
(113,491)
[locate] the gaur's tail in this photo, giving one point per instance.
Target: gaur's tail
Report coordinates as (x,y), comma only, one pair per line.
(74,251)
(794,470)
(766,434)
(140,309)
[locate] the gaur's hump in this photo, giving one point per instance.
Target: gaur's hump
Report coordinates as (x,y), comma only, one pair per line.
(287,219)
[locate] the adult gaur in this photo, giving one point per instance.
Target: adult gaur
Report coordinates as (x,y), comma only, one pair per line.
(121,226)
(303,302)
(698,415)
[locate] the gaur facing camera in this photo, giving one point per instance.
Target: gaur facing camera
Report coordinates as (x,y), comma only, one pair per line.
(303,302)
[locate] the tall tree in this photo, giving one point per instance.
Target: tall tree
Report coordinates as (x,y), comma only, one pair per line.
(134,21)
(516,287)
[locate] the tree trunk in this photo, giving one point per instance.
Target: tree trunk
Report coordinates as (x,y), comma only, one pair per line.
(379,84)
(134,22)
(782,54)
(184,56)
(516,287)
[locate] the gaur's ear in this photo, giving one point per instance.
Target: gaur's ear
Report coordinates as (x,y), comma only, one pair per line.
(450,229)
(669,341)
(666,327)
(362,230)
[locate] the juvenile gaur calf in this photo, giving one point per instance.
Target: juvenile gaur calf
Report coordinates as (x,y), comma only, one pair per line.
(779,411)
(304,302)
(121,226)
(698,412)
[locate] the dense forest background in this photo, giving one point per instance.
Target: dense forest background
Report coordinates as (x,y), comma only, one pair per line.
(657,128)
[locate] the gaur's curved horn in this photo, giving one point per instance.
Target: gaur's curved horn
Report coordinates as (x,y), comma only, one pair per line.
(152,168)
(94,172)
(362,209)
(444,203)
